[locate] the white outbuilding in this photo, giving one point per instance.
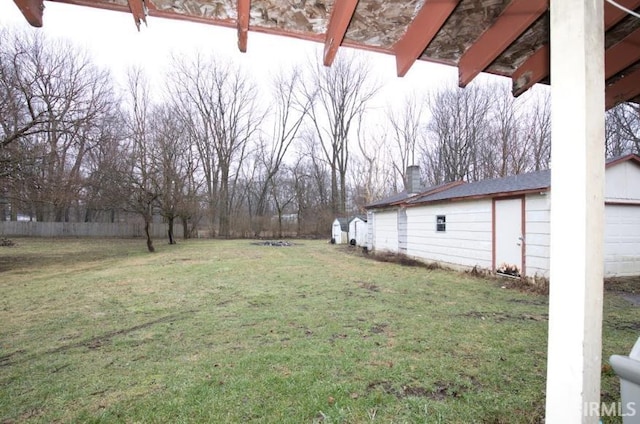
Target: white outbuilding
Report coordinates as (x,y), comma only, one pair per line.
(503,224)
(339,231)
(358,230)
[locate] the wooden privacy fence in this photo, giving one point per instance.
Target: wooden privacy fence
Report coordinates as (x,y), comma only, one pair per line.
(78,229)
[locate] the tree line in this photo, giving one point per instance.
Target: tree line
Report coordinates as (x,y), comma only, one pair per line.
(211,148)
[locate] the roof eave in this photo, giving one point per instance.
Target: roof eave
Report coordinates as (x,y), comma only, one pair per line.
(499,195)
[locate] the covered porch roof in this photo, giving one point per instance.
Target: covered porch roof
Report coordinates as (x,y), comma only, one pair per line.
(502,37)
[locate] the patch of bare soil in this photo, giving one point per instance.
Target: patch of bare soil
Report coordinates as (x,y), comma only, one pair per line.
(504,316)
(368,286)
(626,287)
(274,243)
(626,325)
(440,391)
(405,260)
(5,242)
(537,285)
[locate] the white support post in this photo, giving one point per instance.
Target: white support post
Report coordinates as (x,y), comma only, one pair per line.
(577,212)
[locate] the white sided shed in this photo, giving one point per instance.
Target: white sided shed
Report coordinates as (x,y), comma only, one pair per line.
(503,224)
(358,231)
(339,231)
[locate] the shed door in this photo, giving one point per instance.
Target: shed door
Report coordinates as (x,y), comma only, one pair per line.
(508,234)
(336,233)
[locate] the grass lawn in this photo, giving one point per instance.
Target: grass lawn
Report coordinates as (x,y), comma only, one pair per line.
(233,332)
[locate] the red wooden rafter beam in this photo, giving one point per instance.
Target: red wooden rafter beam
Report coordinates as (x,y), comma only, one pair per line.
(535,69)
(613,15)
(244,7)
(622,54)
(421,31)
(139,11)
(532,71)
(32,11)
(512,22)
(341,15)
(623,90)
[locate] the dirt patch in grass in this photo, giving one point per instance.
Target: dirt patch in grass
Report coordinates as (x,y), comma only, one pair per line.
(505,316)
(626,325)
(5,242)
(274,243)
(400,259)
(536,285)
(368,286)
(379,328)
(627,285)
(441,390)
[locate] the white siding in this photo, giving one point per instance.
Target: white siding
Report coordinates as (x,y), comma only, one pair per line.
(466,241)
(621,243)
(622,240)
(358,231)
(537,235)
(385,231)
(336,232)
(623,182)
(402,231)
(622,222)
(370,230)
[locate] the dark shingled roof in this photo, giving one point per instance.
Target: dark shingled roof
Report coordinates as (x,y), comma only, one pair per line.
(532,181)
(344,224)
(361,217)
(540,180)
(403,195)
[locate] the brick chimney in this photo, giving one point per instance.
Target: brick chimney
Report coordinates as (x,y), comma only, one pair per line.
(413,186)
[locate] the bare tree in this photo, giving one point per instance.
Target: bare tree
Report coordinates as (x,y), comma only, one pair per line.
(283,193)
(312,181)
(105,169)
(372,171)
(54,103)
(623,129)
(21,114)
(142,193)
(458,125)
(505,150)
(340,93)
(538,131)
(218,104)
(288,111)
(406,126)
(174,167)
(482,131)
